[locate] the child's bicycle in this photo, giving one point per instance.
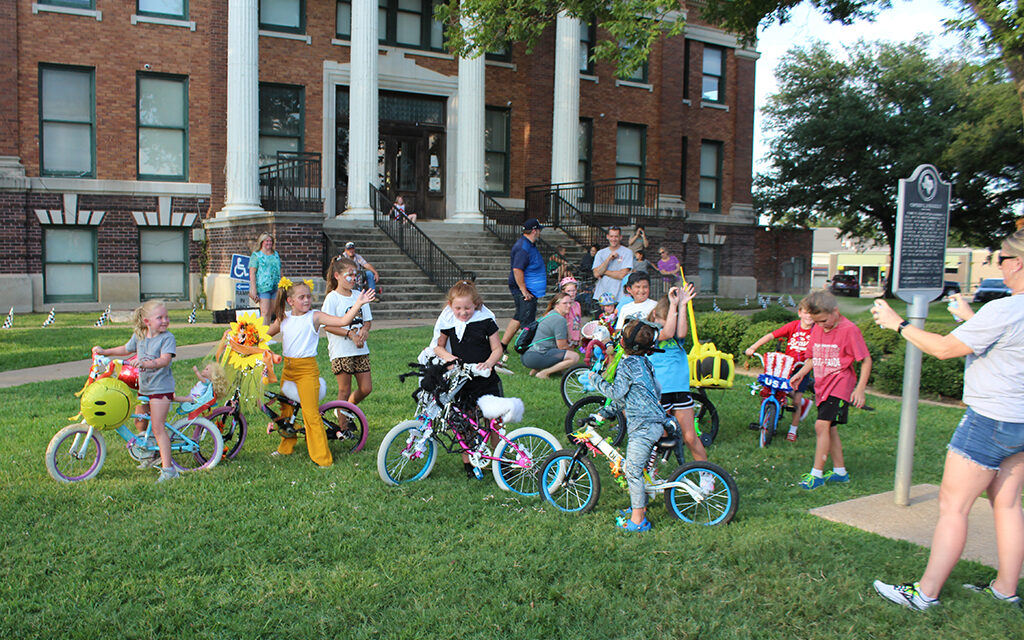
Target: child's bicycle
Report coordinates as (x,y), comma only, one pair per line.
(231,423)
(774,388)
(409,451)
(696,492)
(343,421)
(77,452)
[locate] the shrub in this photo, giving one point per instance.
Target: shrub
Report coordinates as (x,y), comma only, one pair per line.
(881,342)
(725,329)
(774,313)
(752,335)
(938,377)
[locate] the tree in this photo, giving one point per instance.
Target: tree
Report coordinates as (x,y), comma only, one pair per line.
(847,130)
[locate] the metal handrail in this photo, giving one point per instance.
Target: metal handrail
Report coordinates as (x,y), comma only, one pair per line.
(612,202)
(292,182)
(439,267)
(507,225)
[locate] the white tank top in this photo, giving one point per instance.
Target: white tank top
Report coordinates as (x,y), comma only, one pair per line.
(299,337)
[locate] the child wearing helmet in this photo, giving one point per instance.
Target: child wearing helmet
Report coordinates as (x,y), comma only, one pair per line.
(609,314)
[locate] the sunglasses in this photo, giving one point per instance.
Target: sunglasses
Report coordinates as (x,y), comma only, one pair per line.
(614,229)
(1003,259)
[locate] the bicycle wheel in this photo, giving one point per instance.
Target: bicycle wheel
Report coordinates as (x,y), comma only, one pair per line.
(715,503)
(611,430)
(405,455)
(350,430)
(767,427)
(195,444)
(73,455)
(575,384)
(516,471)
(568,483)
(233,429)
(706,417)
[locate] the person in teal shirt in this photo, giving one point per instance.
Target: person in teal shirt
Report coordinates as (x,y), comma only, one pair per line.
(264,273)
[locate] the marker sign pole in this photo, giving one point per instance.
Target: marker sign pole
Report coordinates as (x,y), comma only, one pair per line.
(919,266)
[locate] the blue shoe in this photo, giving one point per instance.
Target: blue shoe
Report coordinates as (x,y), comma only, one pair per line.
(811,482)
(831,476)
(624,522)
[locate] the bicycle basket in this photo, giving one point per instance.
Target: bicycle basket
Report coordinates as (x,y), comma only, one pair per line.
(710,367)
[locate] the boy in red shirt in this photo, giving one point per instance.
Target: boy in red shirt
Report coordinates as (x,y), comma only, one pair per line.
(797,334)
(835,344)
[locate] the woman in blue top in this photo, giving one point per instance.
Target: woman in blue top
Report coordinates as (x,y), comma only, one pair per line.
(264,273)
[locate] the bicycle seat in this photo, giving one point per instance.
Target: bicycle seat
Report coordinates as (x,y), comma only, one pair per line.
(668,442)
(507,409)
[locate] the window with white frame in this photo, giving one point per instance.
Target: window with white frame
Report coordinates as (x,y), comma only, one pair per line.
(588,37)
(496,151)
(281,120)
(630,160)
(163,263)
(283,15)
(713,83)
(162,127)
(406,23)
(710,176)
(173,9)
(67,121)
(69,264)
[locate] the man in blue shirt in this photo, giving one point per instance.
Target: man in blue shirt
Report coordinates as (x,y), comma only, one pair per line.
(527,279)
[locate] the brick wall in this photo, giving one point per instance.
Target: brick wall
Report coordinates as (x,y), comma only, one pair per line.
(775,247)
(300,246)
(9,126)
(736,257)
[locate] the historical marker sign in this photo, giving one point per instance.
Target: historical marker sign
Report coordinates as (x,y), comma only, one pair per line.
(922,224)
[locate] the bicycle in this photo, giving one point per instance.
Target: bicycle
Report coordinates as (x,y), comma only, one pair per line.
(409,450)
(343,421)
(695,492)
(77,452)
(232,424)
(774,389)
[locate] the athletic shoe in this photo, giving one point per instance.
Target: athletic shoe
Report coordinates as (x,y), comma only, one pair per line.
(168,474)
(832,476)
(805,407)
(791,436)
(707,483)
(1014,600)
(905,595)
(809,481)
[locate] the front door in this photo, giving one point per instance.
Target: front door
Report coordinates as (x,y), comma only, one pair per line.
(409,165)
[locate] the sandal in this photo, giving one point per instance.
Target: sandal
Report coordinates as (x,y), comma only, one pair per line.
(624,522)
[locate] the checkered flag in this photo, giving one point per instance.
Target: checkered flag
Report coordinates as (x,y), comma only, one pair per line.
(49,318)
(792,302)
(714,305)
(103,317)
(746,301)
(763,301)
(9,321)
(192,316)
(782,303)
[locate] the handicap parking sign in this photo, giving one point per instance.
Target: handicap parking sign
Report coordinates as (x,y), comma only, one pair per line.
(239,267)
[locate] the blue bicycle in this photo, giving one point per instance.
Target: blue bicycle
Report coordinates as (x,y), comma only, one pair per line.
(774,389)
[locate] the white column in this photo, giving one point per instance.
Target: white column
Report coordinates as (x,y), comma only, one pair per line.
(362,109)
(566,121)
(469,168)
(241,166)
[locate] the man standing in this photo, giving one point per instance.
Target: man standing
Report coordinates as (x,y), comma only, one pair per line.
(527,279)
(611,265)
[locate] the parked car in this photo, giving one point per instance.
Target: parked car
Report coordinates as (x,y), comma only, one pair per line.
(991,289)
(949,287)
(845,285)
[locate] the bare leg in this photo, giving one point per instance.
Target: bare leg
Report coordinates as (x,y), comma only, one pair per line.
(570,358)
(265,305)
(639,515)
(510,331)
(685,419)
(158,408)
(823,431)
(796,396)
(836,447)
(1004,493)
(364,384)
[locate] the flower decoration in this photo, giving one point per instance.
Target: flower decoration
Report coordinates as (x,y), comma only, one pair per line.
(284,283)
(248,332)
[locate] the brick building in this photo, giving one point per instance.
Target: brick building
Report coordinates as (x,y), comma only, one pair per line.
(132,132)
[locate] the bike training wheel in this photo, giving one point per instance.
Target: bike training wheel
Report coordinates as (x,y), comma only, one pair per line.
(569,483)
(233,429)
(398,460)
(205,450)
(717,506)
(520,476)
(353,437)
(72,456)
(767,429)
(611,430)
(706,417)
(575,384)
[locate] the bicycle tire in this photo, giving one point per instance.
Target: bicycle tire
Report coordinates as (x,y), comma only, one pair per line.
(396,453)
(66,466)
(520,477)
(718,506)
(611,430)
(574,384)
(705,416)
(570,483)
(233,429)
(209,447)
(767,427)
(355,440)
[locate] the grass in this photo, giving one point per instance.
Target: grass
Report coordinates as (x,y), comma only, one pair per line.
(277,548)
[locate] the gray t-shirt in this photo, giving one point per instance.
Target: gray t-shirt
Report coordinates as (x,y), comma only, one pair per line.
(993,380)
(550,330)
(154,380)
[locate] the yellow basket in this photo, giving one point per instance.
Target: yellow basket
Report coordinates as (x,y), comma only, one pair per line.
(709,367)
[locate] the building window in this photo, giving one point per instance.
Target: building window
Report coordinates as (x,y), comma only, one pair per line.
(67,121)
(630,159)
(682,163)
(163,263)
(409,23)
(585,150)
(283,15)
(686,70)
(588,36)
(343,20)
(710,176)
(77,4)
(713,83)
(709,259)
(496,151)
(175,9)
(162,127)
(69,264)
(640,73)
(282,120)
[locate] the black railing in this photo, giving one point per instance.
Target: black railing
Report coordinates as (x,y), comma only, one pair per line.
(292,182)
(601,203)
(438,266)
(507,225)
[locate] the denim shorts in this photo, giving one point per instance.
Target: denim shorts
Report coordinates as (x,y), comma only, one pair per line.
(542,360)
(267,295)
(985,441)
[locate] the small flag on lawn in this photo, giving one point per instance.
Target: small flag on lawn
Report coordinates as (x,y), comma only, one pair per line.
(192,316)
(746,301)
(103,317)
(764,301)
(49,318)
(792,302)
(9,321)
(714,305)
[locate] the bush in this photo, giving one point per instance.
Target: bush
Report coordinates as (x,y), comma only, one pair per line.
(752,335)
(938,377)
(725,329)
(774,313)
(881,342)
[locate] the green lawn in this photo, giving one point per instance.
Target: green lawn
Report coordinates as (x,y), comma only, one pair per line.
(277,548)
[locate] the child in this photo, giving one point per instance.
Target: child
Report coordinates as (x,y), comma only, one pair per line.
(835,344)
(636,391)
(559,264)
(797,333)
(639,286)
(609,314)
(569,287)
(398,211)
(153,347)
(640,263)
(672,369)
(300,337)
(347,345)
(213,382)
(471,341)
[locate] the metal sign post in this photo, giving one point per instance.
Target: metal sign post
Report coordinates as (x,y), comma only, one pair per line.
(919,265)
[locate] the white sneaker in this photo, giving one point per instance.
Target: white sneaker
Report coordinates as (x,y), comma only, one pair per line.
(905,595)
(168,474)
(707,483)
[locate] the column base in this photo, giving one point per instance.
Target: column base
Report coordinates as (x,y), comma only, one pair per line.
(235,210)
(462,217)
(357,213)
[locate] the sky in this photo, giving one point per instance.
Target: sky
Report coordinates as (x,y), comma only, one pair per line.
(903,22)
